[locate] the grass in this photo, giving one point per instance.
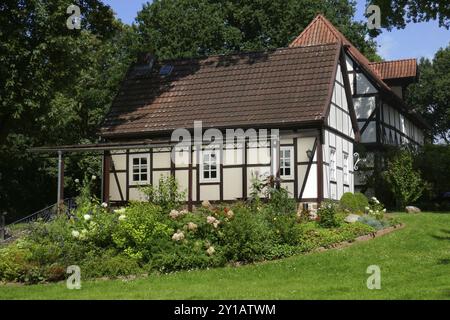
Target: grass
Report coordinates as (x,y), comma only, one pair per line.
(414,262)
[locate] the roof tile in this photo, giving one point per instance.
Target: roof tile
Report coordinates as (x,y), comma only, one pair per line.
(287,85)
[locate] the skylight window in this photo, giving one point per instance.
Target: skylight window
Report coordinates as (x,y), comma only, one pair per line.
(165,70)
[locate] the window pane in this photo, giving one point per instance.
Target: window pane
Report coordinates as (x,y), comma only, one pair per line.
(135,177)
(143,177)
(287,172)
(143,161)
(135,170)
(206,174)
(213,174)
(135,161)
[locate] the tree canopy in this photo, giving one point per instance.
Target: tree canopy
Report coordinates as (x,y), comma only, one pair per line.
(431,95)
(187,28)
(398,13)
(55,87)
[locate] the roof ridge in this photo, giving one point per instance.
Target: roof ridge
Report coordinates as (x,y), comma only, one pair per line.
(244,53)
(391,61)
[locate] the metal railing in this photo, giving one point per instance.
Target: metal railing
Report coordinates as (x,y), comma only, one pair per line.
(48,213)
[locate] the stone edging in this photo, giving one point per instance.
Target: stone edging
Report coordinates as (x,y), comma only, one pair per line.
(366,237)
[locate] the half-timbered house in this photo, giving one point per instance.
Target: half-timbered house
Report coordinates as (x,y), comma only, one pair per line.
(321,95)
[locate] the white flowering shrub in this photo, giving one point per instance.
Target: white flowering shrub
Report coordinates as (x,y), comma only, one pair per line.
(375,209)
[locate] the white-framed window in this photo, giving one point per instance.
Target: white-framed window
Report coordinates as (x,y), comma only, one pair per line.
(345,168)
(210,165)
(139,168)
(332,164)
(287,162)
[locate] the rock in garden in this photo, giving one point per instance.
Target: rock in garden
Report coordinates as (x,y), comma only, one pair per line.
(412,209)
(351,218)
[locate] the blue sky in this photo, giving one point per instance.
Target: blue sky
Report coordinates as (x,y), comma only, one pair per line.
(415,41)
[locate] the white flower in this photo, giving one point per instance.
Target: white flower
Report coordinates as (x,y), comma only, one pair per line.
(121,210)
(210,251)
(384,210)
(93,177)
(229,214)
(206,204)
(182,212)
(122,217)
(77,180)
(84,231)
(367,208)
(87,217)
(210,219)
(178,236)
(192,226)
(104,205)
(75,234)
(174,214)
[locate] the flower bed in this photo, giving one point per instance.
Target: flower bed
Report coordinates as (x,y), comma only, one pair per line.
(147,237)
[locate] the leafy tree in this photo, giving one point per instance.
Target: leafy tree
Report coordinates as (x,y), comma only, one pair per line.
(431,95)
(55,87)
(186,28)
(434,163)
(404,181)
(398,13)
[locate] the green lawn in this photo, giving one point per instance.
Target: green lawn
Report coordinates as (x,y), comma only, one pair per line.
(414,262)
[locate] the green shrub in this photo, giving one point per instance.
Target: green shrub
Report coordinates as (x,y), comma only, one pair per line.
(403,180)
(101,263)
(140,233)
(279,201)
(311,236)
(327,214)
(187,255)
(284,228)
(16,265)
(354,203)
(247,237)
(166,194)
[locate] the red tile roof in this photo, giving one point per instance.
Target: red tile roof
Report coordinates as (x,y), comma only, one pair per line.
(396,69)
(320,30)
(284,86)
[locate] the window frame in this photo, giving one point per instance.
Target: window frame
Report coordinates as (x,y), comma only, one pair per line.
(139,156)
(291,162)
(333,164)
(345,169)
(202,165)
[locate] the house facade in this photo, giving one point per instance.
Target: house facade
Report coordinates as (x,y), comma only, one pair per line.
(293,113)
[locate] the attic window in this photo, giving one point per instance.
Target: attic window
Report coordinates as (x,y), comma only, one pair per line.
(165,70)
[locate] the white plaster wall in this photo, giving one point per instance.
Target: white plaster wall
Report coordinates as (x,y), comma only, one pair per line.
(232,183)
(210,192)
